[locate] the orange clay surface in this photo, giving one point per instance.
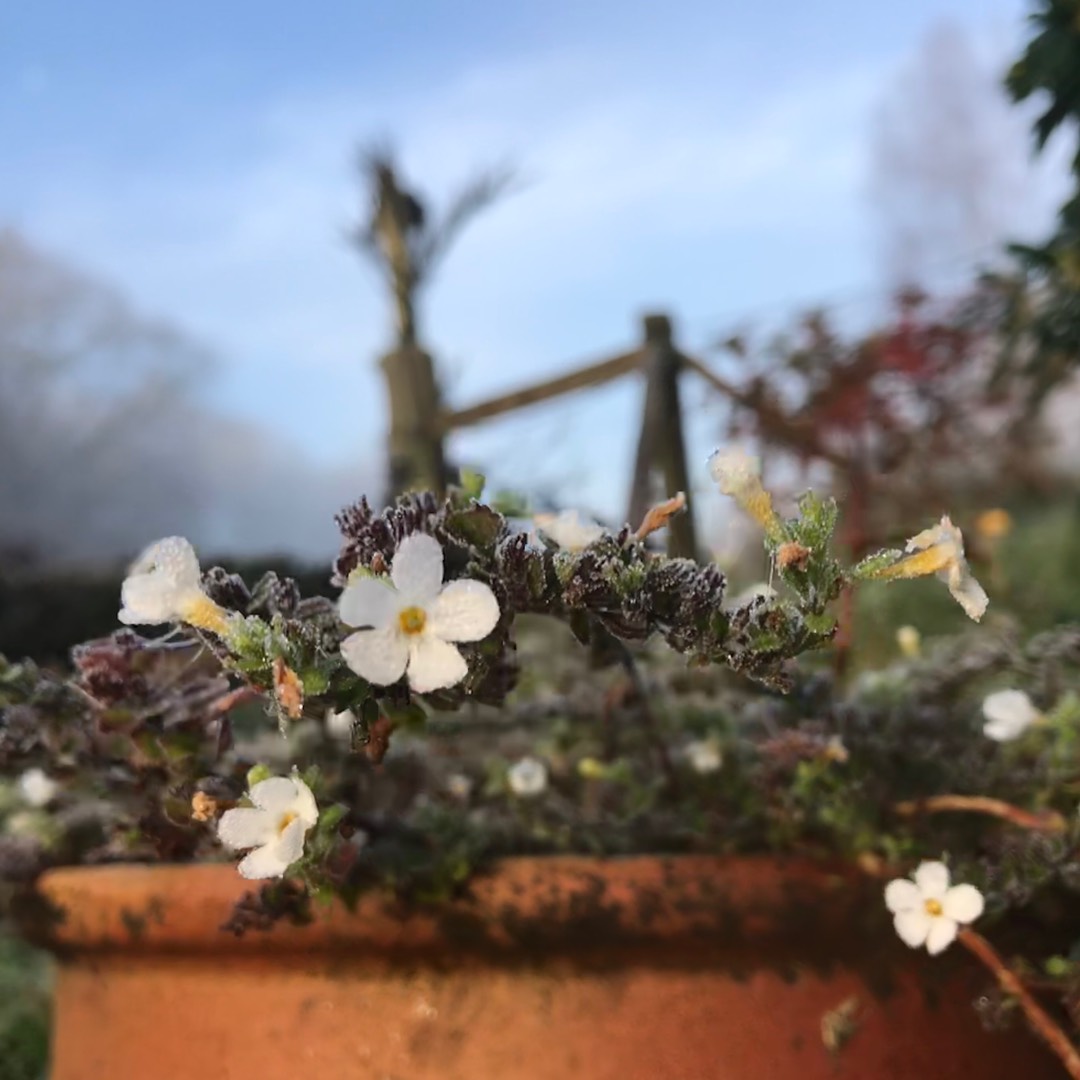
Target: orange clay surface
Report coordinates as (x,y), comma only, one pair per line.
(553,968)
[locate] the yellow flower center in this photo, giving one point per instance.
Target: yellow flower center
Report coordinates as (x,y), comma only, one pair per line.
(286,820)
(933,907)
(412,620)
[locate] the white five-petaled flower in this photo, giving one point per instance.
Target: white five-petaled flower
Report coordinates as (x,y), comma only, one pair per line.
(413,619)
(283,810)
(1009,713)
(927,911)
(36,788)
(704,756)
(941,548)
(569,529)
(164,584)
(527,777)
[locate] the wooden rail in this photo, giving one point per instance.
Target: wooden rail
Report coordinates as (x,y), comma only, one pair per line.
(592,375)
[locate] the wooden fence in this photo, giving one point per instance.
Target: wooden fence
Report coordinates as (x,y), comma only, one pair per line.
(419,421)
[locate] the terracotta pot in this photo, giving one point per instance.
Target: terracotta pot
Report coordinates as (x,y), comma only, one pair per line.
(554,968)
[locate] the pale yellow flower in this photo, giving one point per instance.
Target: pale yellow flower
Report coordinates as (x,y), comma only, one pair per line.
(940,550)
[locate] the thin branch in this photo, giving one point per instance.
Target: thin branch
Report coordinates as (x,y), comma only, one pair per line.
(477,195)
(1036,820)
(1010,982)
(242,695)
(652,729)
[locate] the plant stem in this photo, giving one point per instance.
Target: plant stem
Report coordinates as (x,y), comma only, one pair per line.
(1038,821)
(1010,982)
(652,729)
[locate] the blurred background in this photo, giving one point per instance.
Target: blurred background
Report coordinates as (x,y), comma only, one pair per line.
(259,259)
(255,262)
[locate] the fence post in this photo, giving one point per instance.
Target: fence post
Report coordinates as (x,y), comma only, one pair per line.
(661,445)
(415,458)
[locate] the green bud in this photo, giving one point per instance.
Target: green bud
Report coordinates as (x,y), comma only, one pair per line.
(257,774)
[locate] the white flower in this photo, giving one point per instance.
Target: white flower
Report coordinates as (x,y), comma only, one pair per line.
(414,619)
(927,911)
(459,785)
(275,826)
(36,788)
(736,473)
(1009,713)
(164,584)
(569,529)
(527,777)
(942,548)
(704,755)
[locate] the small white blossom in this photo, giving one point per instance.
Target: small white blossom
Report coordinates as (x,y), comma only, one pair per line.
(275,826)
(927,911)
(944,544)
(527,777)
(569,529)
(736,473)
(1009,713)
(459,785)
(704,756)
(413,619)
(36,788)
(164,584)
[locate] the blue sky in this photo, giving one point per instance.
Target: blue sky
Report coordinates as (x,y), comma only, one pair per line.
(710,159)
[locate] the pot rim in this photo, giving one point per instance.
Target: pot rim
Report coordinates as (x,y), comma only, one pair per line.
(527,902)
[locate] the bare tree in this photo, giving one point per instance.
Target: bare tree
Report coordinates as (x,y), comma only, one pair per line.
(405,240)
(406,243)
(947,162)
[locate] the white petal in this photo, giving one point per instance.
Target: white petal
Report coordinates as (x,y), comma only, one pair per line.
(148,599)
(942,935)
(734,470)
(1003,730)
(466,610)
(912,926)
(277,795)
(263,862)
(290,844)
(963,904)
(1010,707)
(304,803)
(173,559)
(434,664)
(933,880)
(245,827)
(967,592)
(369,602)
(379,656)
(902,895)
(569,529)
(417,569)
